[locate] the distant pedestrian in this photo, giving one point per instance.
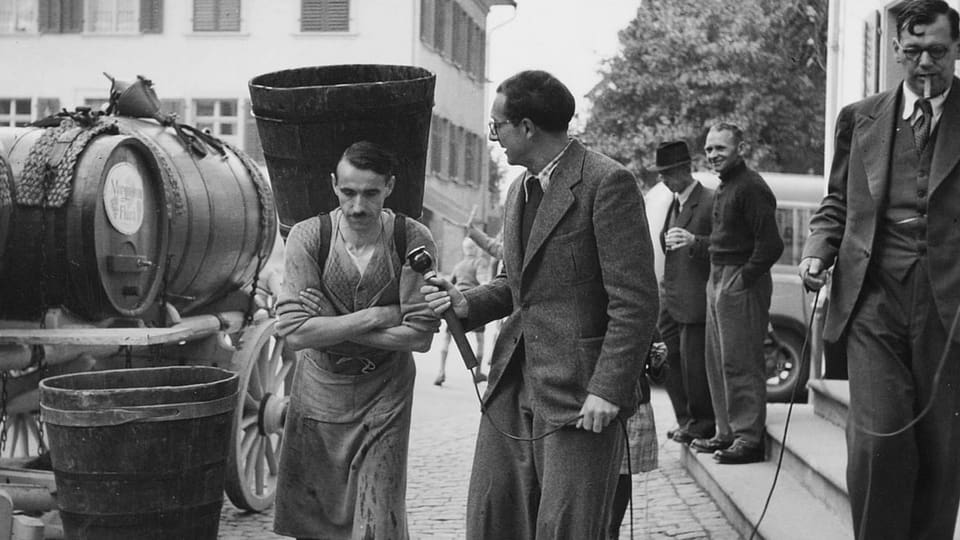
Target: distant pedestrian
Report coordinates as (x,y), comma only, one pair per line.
(744,243)
(685,240)
(465,277)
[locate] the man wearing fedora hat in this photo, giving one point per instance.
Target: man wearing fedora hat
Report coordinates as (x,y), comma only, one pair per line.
(685,239)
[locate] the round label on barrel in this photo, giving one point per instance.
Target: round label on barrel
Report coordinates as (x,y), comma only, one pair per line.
(123,198)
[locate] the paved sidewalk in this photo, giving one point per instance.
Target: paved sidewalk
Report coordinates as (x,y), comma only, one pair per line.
(667,502)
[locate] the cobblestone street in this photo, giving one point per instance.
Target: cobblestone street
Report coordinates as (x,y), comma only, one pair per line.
(668,504)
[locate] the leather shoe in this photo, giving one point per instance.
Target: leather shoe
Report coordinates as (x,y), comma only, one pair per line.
(682,436)
(740,452)
(709,446)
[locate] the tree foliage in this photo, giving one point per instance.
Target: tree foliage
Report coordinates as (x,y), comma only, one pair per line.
(686,64)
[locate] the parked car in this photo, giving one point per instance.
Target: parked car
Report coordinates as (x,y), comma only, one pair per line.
(791,307)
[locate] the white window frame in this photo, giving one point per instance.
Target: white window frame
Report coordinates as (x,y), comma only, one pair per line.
(14,117)
(216,121)
(113,7)
(19,16)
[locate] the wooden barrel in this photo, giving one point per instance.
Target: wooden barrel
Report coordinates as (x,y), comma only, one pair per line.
(101,253)
(6,204)
(140,453)
(222,223)
(307,117)
(147,221)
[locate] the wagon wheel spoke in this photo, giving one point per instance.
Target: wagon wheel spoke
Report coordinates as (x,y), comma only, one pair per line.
(264,371)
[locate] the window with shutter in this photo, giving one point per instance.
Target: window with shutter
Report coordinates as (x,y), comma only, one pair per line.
(59,16)
(436,146)
(457,37)
(426,21)
(216,15)
(469,158)
(112,16)
(18,16)
(325,15)
(440,28)
(453,166)
(151,16)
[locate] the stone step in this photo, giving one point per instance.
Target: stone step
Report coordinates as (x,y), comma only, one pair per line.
(740,491)
(815,454)
(830,399)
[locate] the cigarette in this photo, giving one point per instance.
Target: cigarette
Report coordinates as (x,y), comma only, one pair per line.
(926,87)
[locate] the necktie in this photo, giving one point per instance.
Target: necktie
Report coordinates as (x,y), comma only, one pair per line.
(921,127)
(534,196)
(674,213)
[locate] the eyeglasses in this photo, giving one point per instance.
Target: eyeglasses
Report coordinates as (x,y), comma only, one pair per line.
(913,54)
(494,128)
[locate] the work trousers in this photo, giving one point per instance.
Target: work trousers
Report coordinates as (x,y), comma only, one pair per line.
(904,486)
(559,487)
(737,319)
(686,381)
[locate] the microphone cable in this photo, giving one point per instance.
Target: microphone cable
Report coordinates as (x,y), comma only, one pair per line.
(786,424)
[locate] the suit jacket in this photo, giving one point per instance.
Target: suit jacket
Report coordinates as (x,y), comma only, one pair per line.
(582,296)
(686,270)
(843,228)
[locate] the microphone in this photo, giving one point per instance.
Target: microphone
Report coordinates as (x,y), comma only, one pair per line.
(421,261)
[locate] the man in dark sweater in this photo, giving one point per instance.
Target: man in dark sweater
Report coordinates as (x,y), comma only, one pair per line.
(744,244)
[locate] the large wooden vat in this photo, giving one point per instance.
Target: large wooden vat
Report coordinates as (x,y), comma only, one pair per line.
(308,116)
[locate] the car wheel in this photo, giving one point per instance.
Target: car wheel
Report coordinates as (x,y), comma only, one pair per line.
(782,349)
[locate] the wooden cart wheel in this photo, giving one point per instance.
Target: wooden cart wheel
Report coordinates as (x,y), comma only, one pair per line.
(23,435)
(264,371)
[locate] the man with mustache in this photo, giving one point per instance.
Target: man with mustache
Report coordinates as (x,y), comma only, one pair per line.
(744,244)
(354,312)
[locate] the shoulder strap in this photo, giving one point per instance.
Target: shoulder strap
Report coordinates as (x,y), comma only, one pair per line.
(400,236)
(326,229)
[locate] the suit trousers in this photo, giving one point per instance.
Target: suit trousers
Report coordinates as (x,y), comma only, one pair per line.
(686,381)
(559,487)
(737,320)
(904,486)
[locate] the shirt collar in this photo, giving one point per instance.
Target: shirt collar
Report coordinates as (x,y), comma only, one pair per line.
(910,101)
(546,171)
(685,194)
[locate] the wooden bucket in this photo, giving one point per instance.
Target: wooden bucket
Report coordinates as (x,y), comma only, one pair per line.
(140,453)
(307,117)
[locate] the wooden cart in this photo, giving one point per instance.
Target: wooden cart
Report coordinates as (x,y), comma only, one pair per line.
(222,339)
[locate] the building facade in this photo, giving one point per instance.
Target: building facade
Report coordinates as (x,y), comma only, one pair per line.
(200,55)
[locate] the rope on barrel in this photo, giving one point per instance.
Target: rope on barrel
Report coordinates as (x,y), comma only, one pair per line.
(267,221)
(34,188)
